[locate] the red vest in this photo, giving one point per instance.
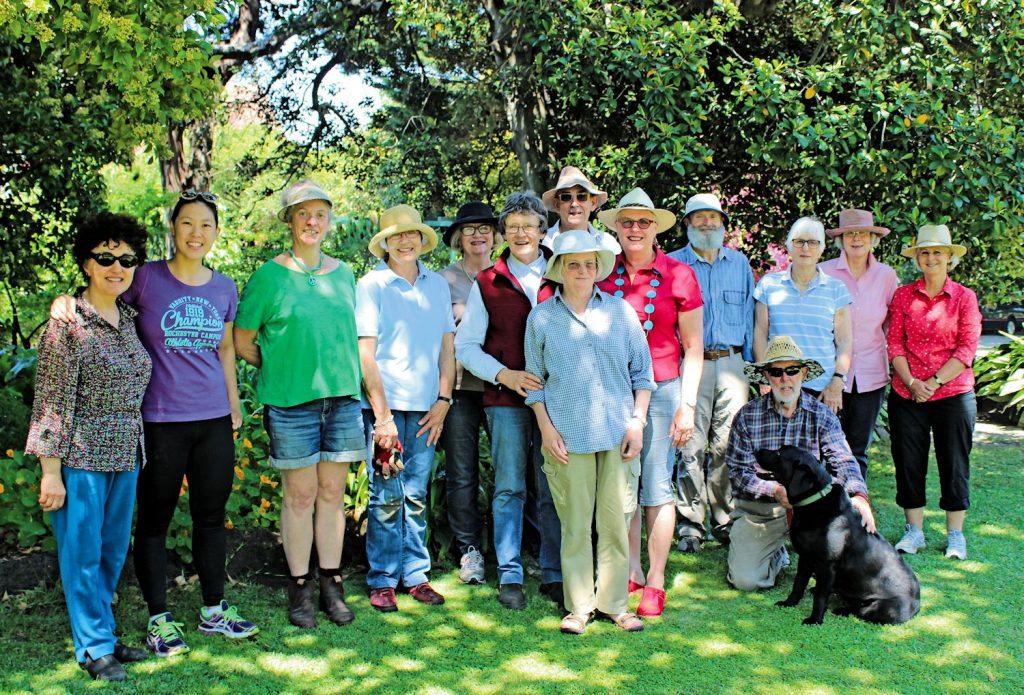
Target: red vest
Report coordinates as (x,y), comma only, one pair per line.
(507,309)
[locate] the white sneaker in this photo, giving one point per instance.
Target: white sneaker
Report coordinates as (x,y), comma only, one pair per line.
(956,545)
(471,567)
(912,541)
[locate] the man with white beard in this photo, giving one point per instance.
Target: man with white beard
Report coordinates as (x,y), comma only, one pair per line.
(727,286)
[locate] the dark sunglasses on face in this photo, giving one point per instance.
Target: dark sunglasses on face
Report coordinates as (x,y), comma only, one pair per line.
(777,372)
(642,224)
(567,197)
(128,260)
(192,194)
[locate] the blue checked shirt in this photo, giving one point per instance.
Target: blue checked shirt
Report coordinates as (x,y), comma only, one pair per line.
(591,365)
(813,428)
(727,286)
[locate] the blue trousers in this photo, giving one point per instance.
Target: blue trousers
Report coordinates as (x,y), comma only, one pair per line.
(396,530)
(93,529)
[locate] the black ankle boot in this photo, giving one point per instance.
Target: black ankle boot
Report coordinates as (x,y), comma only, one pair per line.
(332,600)
(301,611)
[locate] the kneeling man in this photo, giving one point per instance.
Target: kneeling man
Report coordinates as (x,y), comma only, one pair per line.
(785,415)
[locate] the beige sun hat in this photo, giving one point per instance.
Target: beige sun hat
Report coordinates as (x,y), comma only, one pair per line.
(579,241)
(853,220)
(930,236)
(569,177)
(402,218)
(300,192)
(637,199)
(782,348)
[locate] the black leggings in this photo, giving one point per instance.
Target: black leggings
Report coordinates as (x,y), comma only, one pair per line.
(204,452)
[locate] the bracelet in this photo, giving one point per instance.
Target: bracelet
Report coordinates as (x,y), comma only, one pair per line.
(383,423)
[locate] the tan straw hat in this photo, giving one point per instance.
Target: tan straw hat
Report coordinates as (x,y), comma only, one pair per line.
(569,177)
(637,199)
(853,220)
(402,218)
(782,348)
(930,236)
(300,192)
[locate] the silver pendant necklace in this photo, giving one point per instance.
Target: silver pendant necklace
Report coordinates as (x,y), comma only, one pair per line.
(310,271)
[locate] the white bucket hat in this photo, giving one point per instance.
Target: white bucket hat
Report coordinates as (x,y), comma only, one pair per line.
(705,201)
(637,199)
(579,241)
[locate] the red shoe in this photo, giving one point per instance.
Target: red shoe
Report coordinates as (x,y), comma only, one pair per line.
(633,587)
(652,602)
(424,593)
(383,600)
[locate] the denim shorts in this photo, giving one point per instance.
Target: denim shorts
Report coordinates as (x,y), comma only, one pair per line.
(658,455)
(327,429)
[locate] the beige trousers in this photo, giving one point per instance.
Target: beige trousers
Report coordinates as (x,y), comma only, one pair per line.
(756,551)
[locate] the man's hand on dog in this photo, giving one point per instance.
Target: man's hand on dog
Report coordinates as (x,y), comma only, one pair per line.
(863,508)
(781,497)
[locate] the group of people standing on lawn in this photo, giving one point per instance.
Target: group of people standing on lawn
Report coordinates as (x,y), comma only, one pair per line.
(612,380)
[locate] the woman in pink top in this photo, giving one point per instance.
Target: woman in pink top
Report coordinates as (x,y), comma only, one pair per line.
(934,326)
(871,284)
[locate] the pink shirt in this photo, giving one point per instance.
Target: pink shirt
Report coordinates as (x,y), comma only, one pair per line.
(677,291)
(929,331)
(871,294)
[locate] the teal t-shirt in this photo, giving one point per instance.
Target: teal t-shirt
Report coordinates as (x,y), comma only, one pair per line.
(307,333)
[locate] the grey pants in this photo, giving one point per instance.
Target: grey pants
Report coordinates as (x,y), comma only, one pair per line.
(756,551)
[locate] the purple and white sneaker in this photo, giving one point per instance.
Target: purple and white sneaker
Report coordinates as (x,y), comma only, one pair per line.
(165,636)
(226,621)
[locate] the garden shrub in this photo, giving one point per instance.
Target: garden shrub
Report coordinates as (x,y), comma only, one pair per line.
(999,377)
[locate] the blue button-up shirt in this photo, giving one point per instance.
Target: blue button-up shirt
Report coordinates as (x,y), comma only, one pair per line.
(591,365)
(727,286)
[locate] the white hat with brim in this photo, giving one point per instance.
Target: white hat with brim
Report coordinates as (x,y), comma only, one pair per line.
(579,241)
(931,236)
(301,192)
(402,218)
(569,177)
(705,202)
(782,348)
(637,200)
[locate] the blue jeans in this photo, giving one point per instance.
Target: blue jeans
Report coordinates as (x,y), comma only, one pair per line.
(397,525)
(515,439)
(461,442)
(92,530)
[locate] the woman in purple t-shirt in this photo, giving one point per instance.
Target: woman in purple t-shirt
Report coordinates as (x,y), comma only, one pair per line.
(185,315)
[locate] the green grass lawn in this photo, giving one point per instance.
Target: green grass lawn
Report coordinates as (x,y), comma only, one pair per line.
(967,638)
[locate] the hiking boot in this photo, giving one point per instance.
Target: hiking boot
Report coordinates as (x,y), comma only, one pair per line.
(225,620)
(164,636)
(471,567)
(332,601)
(128,655)
(912,541)
(956,545)
(301,611)
(384,600)
(512,597)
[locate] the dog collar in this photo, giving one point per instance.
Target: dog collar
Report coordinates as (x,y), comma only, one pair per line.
(813,498)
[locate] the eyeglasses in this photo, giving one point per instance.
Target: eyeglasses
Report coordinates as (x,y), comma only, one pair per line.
(481,230)
(575,266)
(807,243)
(857,233)
(128,260)
(192,194)
(522,229)
(629,224)
(777,372)
(581,196)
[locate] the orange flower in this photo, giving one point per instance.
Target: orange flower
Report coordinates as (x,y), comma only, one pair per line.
(10,453)
(244,461)
(182,491)
(1,488)
(264,504)
(265,480)
(246,443)
(235,434)
(228,524)
(239,473)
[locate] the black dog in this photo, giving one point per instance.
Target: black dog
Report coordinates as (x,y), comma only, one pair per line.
(862,568)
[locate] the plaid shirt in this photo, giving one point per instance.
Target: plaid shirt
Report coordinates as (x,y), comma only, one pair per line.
(813,427)
(89,386)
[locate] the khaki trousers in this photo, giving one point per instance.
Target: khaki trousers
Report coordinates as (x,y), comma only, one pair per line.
(756,551)
(605,482)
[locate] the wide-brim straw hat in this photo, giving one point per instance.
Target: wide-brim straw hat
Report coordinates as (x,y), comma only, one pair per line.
(782,348)
(469,213)
(402,218)
(567,178)
(854,220)
(705,201)
(930,236)
(579,241)
(301,192)
(637,199)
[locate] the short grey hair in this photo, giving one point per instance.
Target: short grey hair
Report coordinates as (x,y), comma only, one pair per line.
(524,202)
(806,224)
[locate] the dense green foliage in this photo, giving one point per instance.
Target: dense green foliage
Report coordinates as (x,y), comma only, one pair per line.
(1000,377)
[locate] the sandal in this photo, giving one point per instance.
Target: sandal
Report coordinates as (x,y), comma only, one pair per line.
(574,624)
(627,621)
(633,587)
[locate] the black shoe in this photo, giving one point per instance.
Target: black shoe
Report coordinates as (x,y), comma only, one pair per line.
(301,610)
(106,668)
(553,591)
(332,601)
(512,597)
(127,655)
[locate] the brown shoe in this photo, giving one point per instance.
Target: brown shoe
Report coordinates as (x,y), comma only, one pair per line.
(332,601)
(301,611)
(383,600)
(424,593)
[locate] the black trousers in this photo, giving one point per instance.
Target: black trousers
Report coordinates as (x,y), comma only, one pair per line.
(949,422)
(204,452)
(858,416)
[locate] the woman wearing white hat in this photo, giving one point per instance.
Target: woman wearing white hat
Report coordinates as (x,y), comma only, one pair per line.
(666,297)
(934,326)
(407,352)
(589,349)
(301,306)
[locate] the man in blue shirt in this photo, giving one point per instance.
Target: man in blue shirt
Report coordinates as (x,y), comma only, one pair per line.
(727,285)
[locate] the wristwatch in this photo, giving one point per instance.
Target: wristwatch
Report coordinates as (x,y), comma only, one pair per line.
(842,377)
(937,379)
(446,399)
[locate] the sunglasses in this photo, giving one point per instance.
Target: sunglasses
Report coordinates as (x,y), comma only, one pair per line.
(128,260)
(777,372)
(641,224)
(192,194)
(582,196)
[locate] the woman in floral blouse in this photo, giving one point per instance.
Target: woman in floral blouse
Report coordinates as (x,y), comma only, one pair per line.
(87,432)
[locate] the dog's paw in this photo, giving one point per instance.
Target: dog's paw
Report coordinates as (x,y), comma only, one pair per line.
(786,603)
(811,620)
